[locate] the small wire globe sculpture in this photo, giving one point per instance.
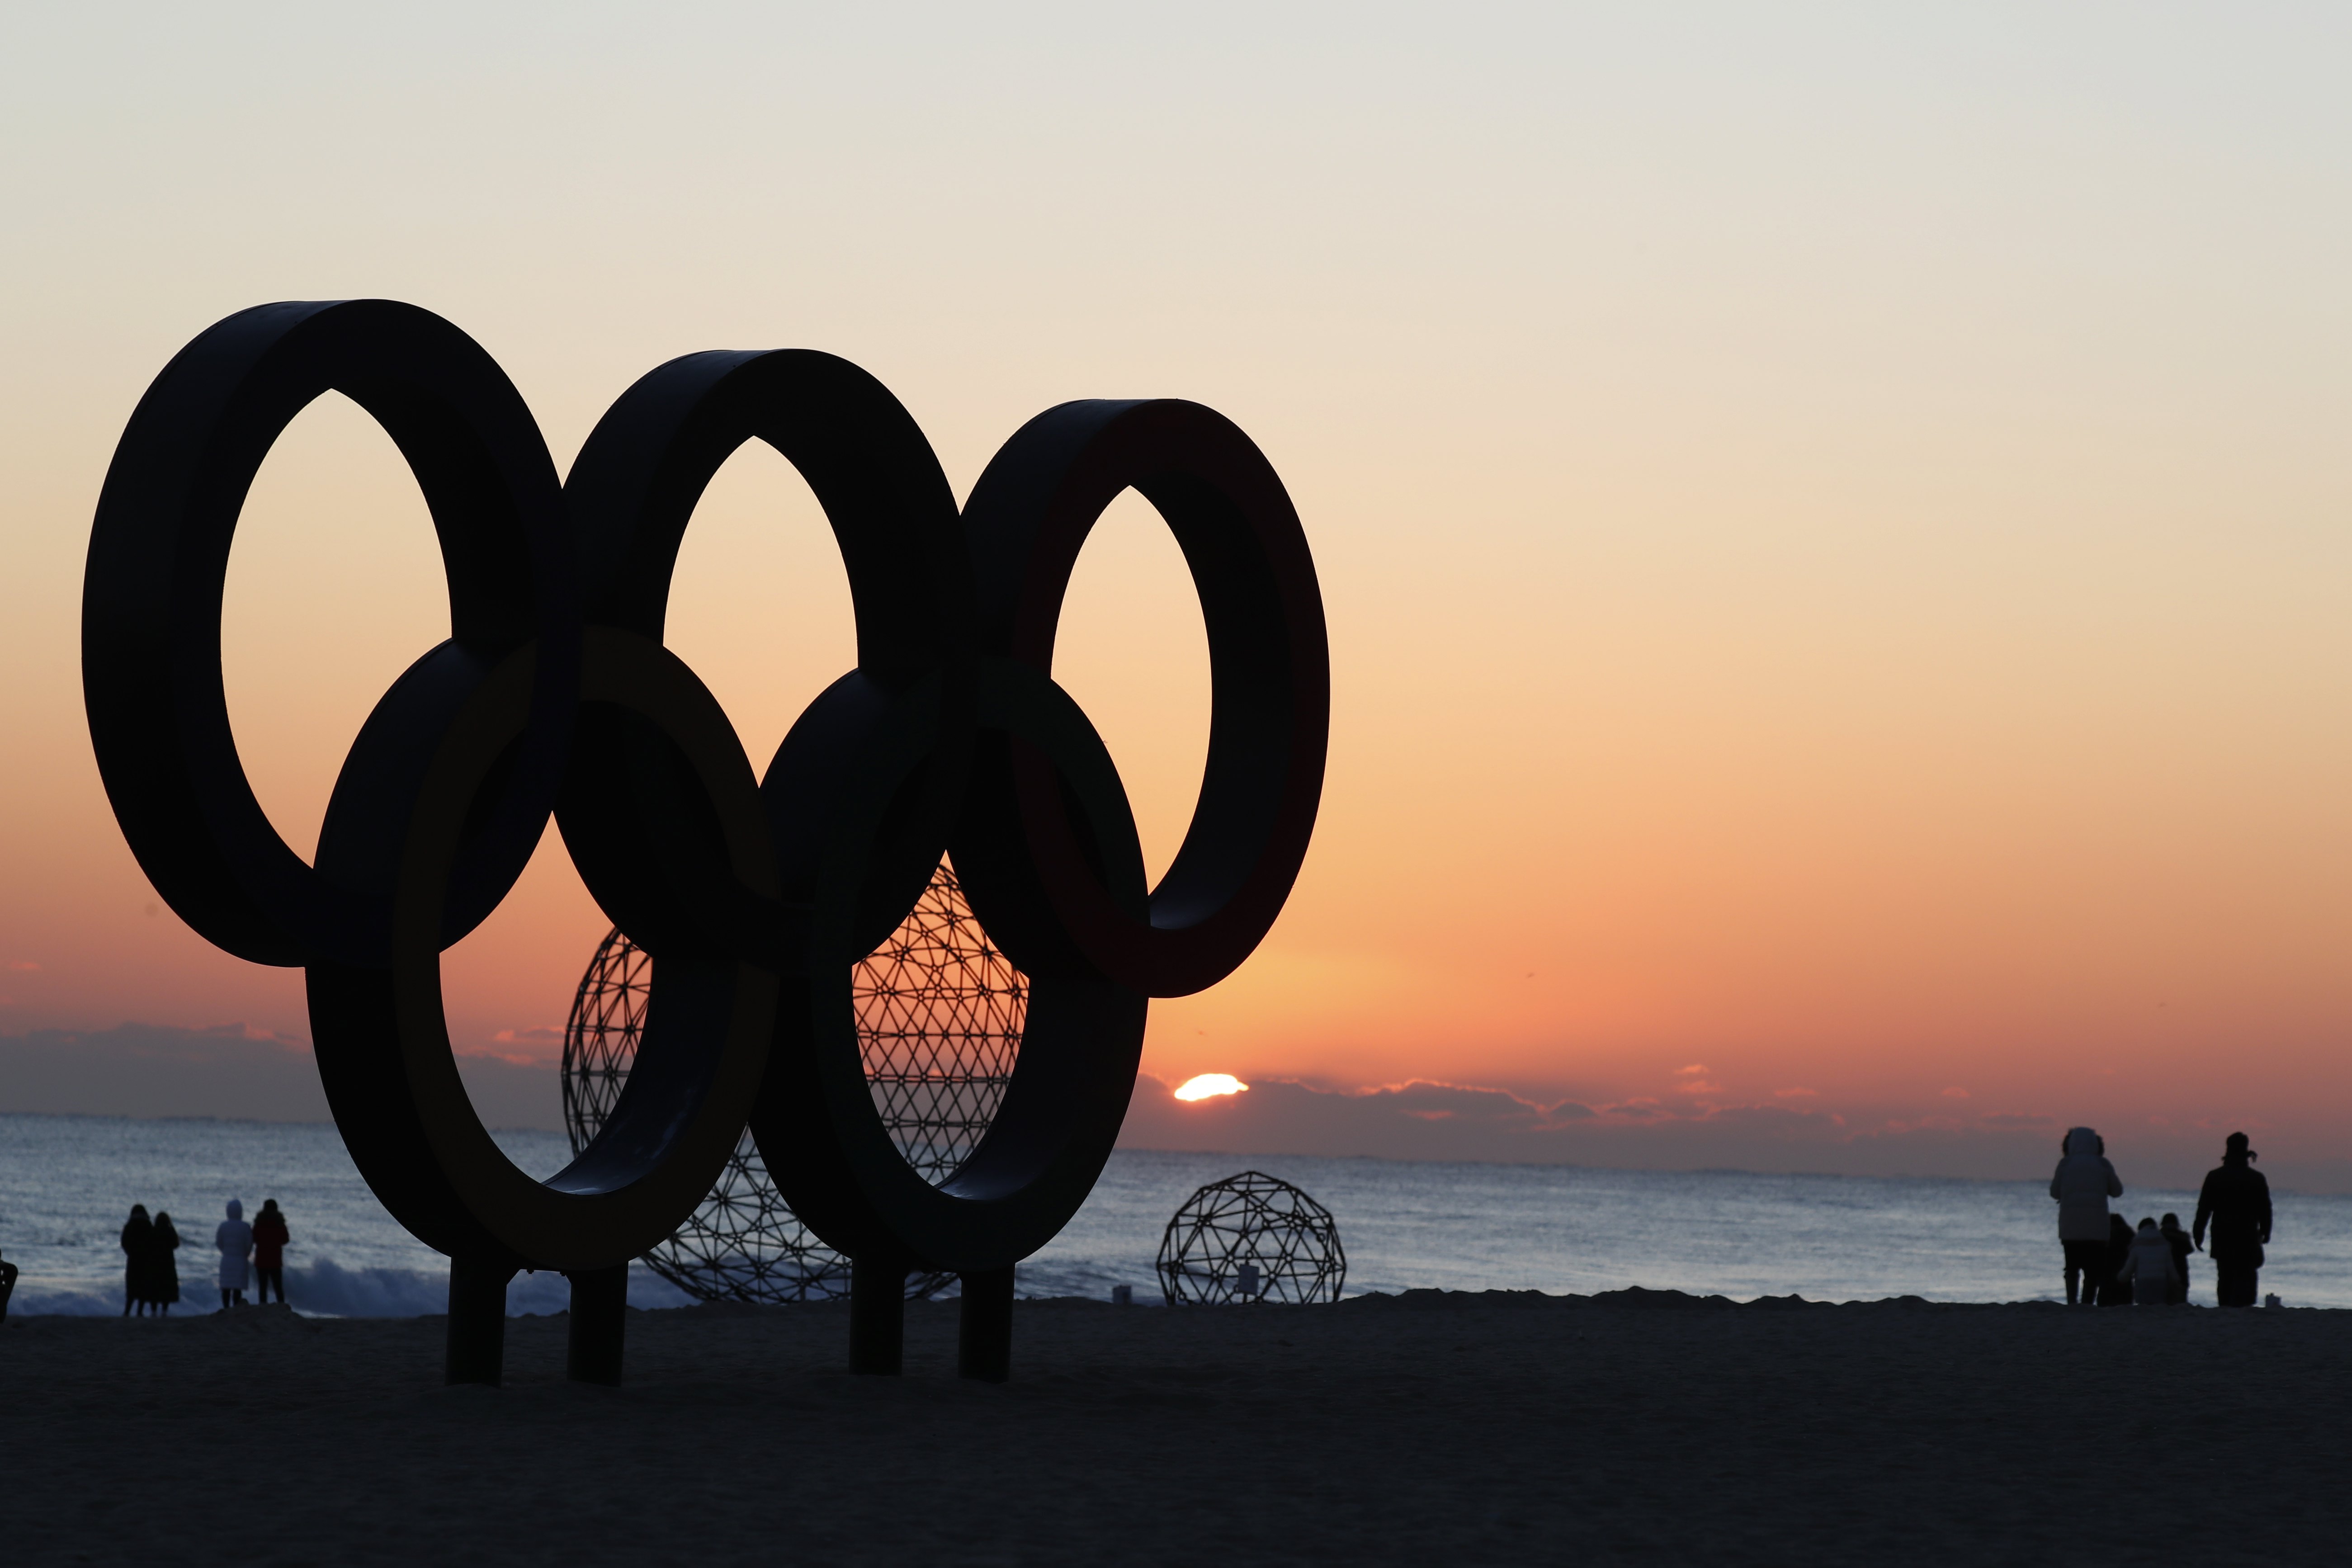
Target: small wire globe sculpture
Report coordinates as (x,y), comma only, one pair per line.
(1250,1237)
(940,1016)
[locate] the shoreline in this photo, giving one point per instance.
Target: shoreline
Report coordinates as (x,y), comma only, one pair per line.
(1634,1298)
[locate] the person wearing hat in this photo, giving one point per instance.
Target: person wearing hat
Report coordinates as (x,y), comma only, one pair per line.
(2236,1201)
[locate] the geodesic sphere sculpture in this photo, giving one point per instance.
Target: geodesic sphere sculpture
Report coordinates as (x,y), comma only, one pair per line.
(939,1014)
(741,1243)
(1250,1237)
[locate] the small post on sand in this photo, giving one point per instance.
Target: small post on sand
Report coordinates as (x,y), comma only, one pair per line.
(599,1307)
(877,1313)
(984,1327)
(477,1320)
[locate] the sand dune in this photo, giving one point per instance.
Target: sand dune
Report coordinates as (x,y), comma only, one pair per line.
(1424,1429)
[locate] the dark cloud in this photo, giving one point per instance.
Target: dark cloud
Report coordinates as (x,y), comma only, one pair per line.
(1428,1120)
(229,1071)
(1416,1120)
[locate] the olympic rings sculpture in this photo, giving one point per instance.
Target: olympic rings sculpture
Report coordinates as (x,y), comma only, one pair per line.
(756,894)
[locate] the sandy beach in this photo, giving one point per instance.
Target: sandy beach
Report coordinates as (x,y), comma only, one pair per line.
(1426,1428)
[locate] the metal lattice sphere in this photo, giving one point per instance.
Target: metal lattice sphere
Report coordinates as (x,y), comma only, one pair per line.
(1250,1237)
(939,1014)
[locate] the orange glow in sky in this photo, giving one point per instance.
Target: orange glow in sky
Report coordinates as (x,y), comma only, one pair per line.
(1832,524)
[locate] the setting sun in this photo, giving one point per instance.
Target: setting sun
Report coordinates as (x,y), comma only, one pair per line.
(1210,1084)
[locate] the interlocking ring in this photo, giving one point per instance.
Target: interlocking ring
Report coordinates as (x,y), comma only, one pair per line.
(1270,676)
(756,899)
(152,614)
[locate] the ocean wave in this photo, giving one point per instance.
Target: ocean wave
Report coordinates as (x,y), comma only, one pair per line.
(34,1298)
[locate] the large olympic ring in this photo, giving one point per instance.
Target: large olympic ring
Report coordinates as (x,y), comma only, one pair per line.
(553,696)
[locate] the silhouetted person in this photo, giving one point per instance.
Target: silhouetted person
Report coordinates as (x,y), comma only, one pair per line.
(166,1277)
(138,1261)
(2181,1248)
(270,1239)
(2082,1185)
(2236,1201)
(2113,1291)
(7,1285)
(234,1239)
(2147,1266)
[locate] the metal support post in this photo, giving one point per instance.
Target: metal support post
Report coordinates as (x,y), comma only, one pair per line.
(985,1333)
(600,1306)
(878,1314)
(477,1320)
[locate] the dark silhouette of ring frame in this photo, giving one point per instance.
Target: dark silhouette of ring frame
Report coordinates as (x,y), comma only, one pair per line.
(559,589)
(1250,1218)
(939,1014)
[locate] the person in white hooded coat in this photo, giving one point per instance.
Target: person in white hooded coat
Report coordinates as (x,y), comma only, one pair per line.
(2083,1184)
(234,1239)
(2148,1267)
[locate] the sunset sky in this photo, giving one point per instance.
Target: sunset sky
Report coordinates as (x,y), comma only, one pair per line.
(1836,521)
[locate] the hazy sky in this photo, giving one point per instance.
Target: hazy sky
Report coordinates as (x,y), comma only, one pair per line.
(1833,518)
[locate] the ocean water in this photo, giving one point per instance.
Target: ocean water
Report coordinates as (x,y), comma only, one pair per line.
(68,1181)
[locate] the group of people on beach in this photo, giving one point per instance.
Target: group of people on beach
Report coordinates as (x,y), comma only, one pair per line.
(150,1275)
(2110,1264)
